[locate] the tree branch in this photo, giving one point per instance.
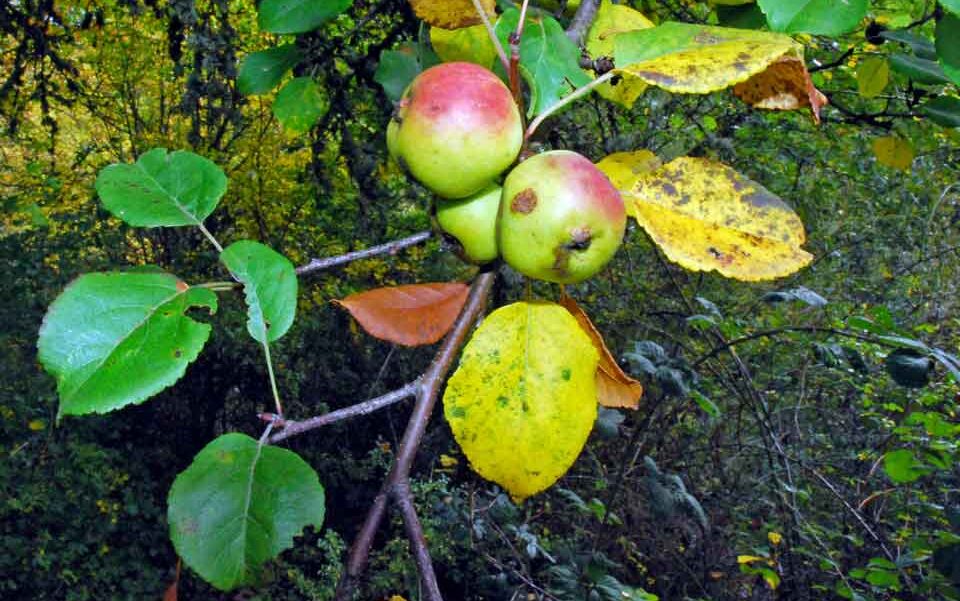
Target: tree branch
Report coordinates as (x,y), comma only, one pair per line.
(293,428)
(396,485)
(388,248)
(582,20)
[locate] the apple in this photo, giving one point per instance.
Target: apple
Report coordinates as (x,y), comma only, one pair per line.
(473,222)
(457,128)
(561,220)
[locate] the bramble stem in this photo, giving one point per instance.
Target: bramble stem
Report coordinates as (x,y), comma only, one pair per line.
(578,93)
(493,35)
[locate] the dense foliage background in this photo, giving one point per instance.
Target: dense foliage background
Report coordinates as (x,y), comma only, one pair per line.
(777,457)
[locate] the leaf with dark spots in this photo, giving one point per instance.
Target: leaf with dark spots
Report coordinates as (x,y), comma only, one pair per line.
(706,216)
(698,59)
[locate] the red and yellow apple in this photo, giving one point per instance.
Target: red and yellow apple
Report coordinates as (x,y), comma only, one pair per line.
(561,220)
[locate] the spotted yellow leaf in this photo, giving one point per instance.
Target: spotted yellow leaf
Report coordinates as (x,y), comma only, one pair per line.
(469,44)
(706,216)
(893,152)
(451,14)
(612,20)
(698,59)
(623,169)
(523,400)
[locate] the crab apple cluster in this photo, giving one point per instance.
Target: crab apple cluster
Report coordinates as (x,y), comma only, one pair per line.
(556,217)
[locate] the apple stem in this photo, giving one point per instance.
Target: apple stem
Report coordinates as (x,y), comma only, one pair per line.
(578,93)
(493,36)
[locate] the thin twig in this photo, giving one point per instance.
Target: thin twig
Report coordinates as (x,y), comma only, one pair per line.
(293,428)
(579,92)
(582,20)
(427,393)
(768,333)
(418,542)
(382,249)
(493,36)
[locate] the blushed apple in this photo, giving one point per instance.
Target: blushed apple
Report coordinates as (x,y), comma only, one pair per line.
(561,220)
(457,129)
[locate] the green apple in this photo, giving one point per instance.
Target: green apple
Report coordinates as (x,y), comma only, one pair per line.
(473,222)
(392,130)
(457,128)
(561,219)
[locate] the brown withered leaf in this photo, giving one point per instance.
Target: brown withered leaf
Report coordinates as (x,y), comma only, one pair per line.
(451,14)
(408,315)
(785,85)
(614,388)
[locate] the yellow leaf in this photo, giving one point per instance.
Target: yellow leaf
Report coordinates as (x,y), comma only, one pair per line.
(704,215)
(611,20)
(775,538)
(470,44)
(699,59)
(623,169)
(451,14)
(448,461)
(397,598)
(872,76)
(742,559)
(893,152)
(523,400)
(771,578)
(37,424)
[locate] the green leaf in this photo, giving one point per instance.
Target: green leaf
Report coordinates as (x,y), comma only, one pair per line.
(948,46)
(298,16)
(261,71)
(952,6)
(113,339)
(872,76)
(943,110)
(397,68)
(883,578)
(299,104)
(920,45)
(819,17)
(902,466)
(909,368)
(708,406)
(270,283)
(161,189)
(918,69)
(238,505)
(743,16)
(549,59)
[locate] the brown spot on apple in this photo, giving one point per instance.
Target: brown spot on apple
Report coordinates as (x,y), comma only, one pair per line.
(524,202)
